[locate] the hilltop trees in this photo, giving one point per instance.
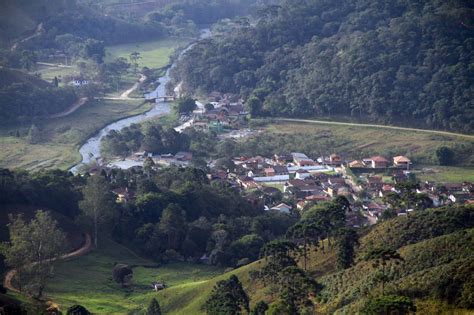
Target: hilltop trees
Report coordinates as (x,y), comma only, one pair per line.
(227,297)
(98,204)
(33,247)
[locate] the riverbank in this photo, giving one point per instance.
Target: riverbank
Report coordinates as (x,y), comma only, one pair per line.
(60,138)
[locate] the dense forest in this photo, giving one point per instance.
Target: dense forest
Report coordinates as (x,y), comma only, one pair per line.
(399,62)
(24,97)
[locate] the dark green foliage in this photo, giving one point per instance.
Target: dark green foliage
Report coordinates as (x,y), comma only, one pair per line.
(390,304)
(382,257)
(77,310)
(122,274)
(228,297)
(152,138)
(395,62)
(22,97)
(260,308)
(445,156)
(295,287)
(185,105)
(54,190)
(346,242)
(153,308)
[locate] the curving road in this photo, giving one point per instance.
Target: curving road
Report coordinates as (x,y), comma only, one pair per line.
(445,133)
(84,249)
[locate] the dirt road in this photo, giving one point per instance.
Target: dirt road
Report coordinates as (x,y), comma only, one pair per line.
(71,109)
(445,133)
(85,248)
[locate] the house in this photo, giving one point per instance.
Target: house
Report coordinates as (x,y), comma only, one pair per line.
(283,158)
(282,207)
(357,164)
(80,82)
(302,174)
(336,180)
(306,188)
(123,195)
(247,182)
(401,161)
(378,162)
(302,159)
(276,170)
(374,183)
(184,156)
(335,159)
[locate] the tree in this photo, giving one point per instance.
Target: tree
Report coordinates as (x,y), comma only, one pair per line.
(260,308)
(98,204)
(33,136)
(122,274)
(153,308)
(347,240)
(185,105)
(28,59)
(295,287)
(172,225)
(77,310)
(134,57)
(227,297)
(94,49)
(382,257)
(208,107)
(308,233)
(390,304)
(445,155)
(34,246)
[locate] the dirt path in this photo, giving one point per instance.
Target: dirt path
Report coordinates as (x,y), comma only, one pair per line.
(54,65)
(125,94)
(85,248)
(71,109)
(444,133)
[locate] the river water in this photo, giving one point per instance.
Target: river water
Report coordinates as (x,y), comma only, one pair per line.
(90,150)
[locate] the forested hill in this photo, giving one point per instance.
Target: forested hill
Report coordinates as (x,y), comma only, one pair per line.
(390,61)
(45,23)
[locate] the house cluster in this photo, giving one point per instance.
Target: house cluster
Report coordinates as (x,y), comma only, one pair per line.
(380,162)
(226,112)
(293,182)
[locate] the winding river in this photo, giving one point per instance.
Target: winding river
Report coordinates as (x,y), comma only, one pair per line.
(90,150)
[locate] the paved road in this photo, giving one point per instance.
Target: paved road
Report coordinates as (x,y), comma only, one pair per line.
(445,133)
(85,248)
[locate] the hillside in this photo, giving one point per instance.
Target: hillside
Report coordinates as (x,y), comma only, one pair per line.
(436,246)
(26,96)
(401,63)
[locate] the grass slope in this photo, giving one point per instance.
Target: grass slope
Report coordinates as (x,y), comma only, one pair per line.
(62,136)
(88,280)
(154,54)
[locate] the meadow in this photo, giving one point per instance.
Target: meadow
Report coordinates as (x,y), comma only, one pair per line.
(61,137)
(356,142)
(88,281)
(154,54)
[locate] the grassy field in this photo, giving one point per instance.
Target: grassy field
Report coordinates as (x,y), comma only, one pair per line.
(61,137)
(88,281)
(356,142)
(447,174)
(48,73)
(154,54)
